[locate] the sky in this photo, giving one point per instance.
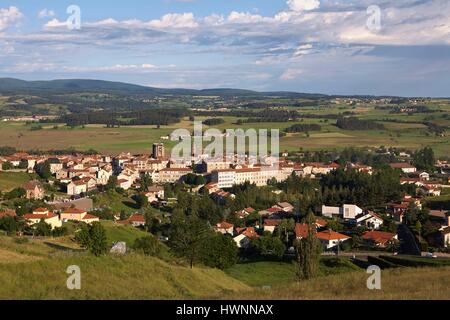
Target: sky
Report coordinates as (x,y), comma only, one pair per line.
(380,47)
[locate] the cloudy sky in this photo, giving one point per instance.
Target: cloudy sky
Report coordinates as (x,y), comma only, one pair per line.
(323,46)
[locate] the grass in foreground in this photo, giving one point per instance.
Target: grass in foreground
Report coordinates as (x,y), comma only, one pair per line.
(397,284)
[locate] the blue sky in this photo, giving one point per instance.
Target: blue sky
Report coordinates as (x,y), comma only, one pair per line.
(323,46)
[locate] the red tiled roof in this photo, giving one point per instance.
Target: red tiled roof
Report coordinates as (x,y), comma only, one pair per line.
(378,236)
(331,235)
(224,225)
(74,211)
(89,217)
(137,218)
(401,165)
(301,230)
(39,216)
(271,223)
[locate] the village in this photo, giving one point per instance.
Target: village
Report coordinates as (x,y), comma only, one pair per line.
(73,178)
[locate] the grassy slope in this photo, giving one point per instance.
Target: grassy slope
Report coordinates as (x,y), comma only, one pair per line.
(11,180)
(422,283)
(273,273)
(37,271)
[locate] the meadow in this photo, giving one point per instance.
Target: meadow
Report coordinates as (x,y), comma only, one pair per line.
(37,268)
(11,180)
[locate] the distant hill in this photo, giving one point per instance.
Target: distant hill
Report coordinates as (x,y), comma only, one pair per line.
(8,85)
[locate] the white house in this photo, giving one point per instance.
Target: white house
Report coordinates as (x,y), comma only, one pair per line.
(405,167)
(43,214)
(242,241)
(347,211)
(73,214)
(225,228)
(75,188)
(155,193)
(370,220)
(331,239)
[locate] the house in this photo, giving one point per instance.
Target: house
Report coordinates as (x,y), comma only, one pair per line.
(103,176)
(125,184)
(430,190)
(379,238)
(270,225)
(403,166)
(137,220)
(225,228)
(43,214)
(370,220)
(245,212)
(249,232)
(55,165)
(347,211)
(423,176)
(301,230)
(446,237)
(34,190)
(331,239)
(221,196)
(286,207)
(242,242)
(77,187)
(73,214)
(155,193)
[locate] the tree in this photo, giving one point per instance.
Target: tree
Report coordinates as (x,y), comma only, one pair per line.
(112,183)
(424,159)
(99,243)
(148,245)
(8,224)
(270,246)
(308,251)
(93,238)
(15,194)
(42,229)
(219,251)
(286,227)
(43,170)
(141,200)
(7,166)
(146,182)
(187,237)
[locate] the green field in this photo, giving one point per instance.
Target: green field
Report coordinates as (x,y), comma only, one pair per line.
(11,180)
(410,134)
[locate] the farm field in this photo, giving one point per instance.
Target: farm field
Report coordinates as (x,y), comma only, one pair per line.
(138,139)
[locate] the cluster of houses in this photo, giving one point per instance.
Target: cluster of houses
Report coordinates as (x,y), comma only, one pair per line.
(54,218)
(81,174)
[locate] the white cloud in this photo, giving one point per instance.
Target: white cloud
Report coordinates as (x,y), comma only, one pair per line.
(9,16)
(175,20)
(46,13)
(291,74)
(303,5)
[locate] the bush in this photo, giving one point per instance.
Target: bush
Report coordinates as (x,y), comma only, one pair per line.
(269,246)
(219,251)
(21,240)
(93,238)
(148,245)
